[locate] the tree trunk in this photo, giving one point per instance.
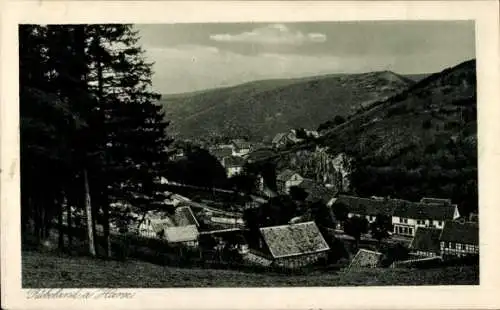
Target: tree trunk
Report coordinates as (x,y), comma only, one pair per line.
(100,92)
(38,222)
(107,239)
(60,223)
(69,220)
(95,210)
(42,221)
(88,212)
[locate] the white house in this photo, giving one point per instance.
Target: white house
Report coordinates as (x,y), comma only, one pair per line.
(280,140)
(408,216)
(240,147)
(234,165)
(153,223)
(312,133)
(286,179)
(151,227)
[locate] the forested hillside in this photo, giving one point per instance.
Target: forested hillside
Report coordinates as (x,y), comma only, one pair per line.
(261,109)
(420,142)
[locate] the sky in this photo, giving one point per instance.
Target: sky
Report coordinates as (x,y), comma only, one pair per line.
(192,57)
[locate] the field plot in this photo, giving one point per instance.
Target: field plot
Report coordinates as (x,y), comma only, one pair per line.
(45,270)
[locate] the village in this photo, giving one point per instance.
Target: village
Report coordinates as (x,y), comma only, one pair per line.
(329,177)
(208,226)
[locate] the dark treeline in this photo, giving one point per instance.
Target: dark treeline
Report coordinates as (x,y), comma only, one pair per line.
(92,136)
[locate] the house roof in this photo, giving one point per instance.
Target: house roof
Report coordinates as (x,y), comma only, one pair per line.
(178,197)
(241,144)
(181,233)
(160,224)
(222,152)
(455,231)
(316,191)
(435,200)
(278,137)
(261,153)
(184,216)
(294,239)
(234,161)
(308,184)
(416,210)
(426,239)
(285,175)
(365,258)
(368,206)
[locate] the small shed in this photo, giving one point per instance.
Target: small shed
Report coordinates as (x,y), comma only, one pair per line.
(366,259)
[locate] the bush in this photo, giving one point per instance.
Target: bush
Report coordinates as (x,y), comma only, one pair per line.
(427,124)
(394,252)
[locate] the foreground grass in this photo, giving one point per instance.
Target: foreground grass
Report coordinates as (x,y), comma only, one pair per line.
(49,270)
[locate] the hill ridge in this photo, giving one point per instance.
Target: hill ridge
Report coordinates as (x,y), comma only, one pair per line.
(260,109)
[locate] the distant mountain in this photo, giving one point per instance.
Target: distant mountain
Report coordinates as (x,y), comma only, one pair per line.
(417,77)
(263,108)
(420,142)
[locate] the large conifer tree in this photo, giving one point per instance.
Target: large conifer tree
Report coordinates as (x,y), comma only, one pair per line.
(113,134)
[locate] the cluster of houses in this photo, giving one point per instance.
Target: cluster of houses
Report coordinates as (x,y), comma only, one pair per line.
(434,226)
(287,179)
(232,155)
(177,227)
(291,137)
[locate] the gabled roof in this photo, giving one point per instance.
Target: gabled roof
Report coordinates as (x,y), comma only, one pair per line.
(241,144)
(181,233)
(234,161)
(285,175)
(365,258)
(184,216)
(308,184)
(294,239)
(426,239)
(261,153)
(455,231)
(222,152)
(368,206)
(415,210)
(278,137)
(316,191)
(160,224)
(178,197)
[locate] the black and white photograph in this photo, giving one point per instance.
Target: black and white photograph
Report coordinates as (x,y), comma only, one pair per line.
(247,153)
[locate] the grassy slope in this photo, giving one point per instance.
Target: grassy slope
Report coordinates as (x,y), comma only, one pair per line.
(52,271)
(263,108)
(400,118)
